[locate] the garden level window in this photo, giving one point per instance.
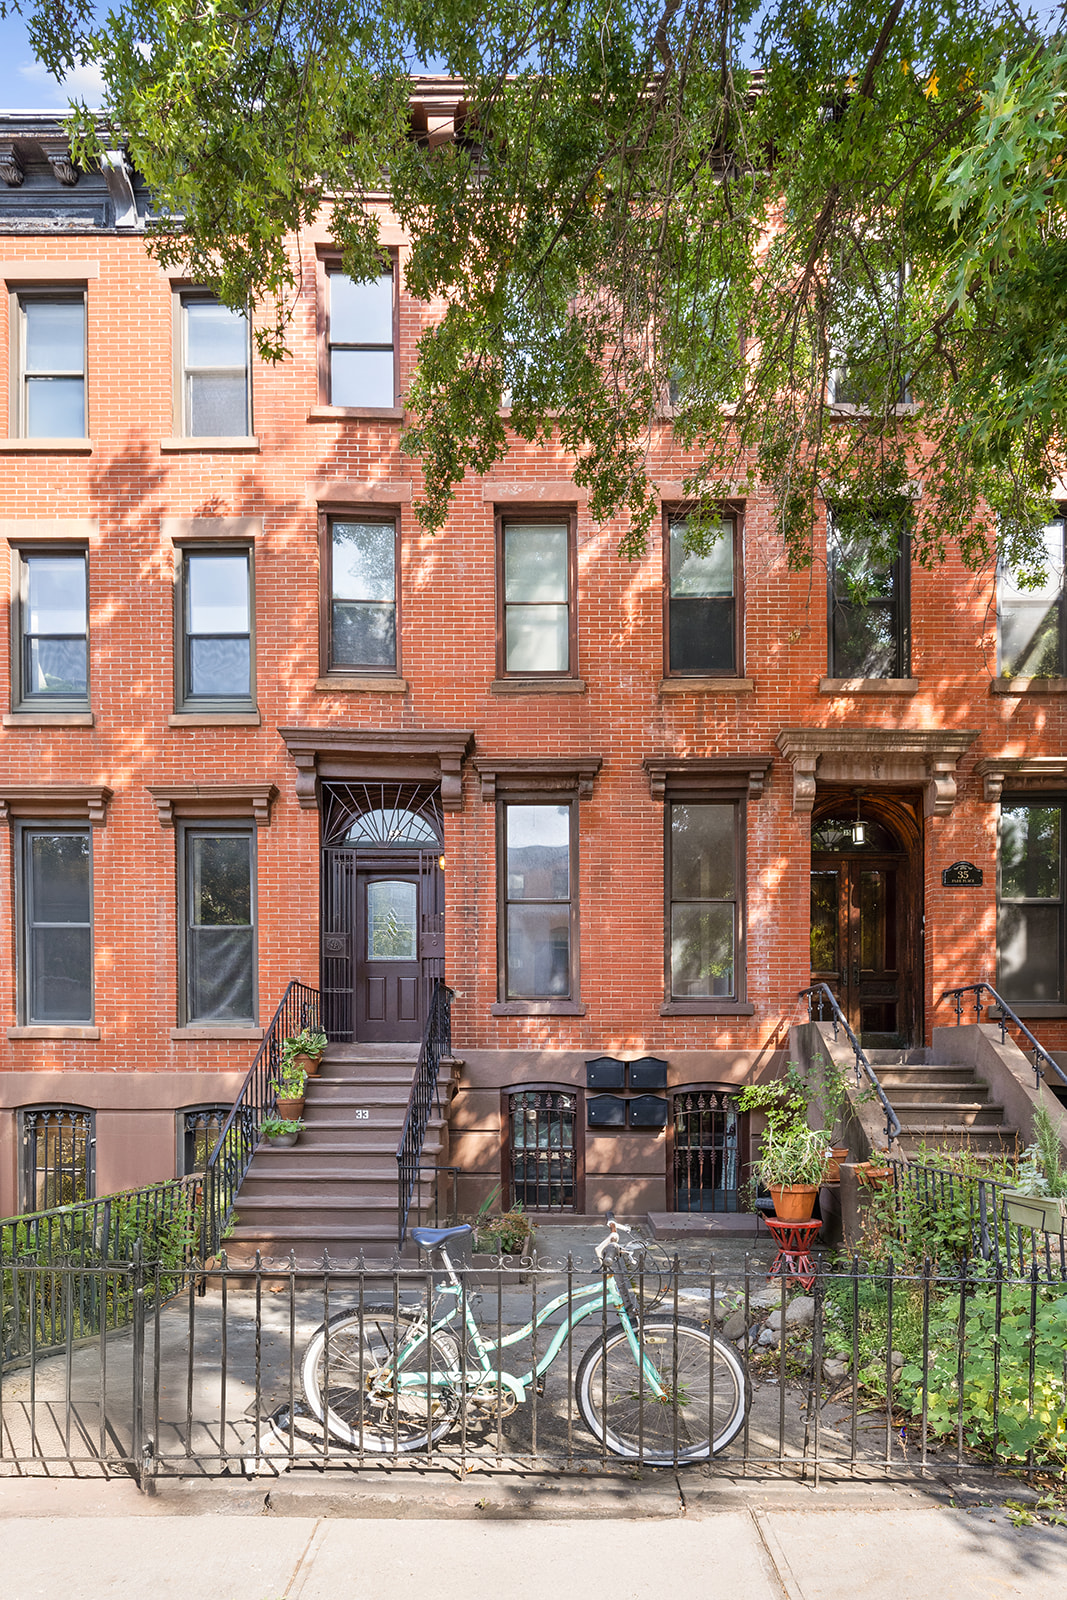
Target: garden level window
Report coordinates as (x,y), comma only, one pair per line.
(215,629)
(541,1150)
(362,630)
(537,902)
(56,925)
(537,587)
(200,1131)
(868,597)
(1032,628)
(702,610)
(214,397)
(704,942)
(49,332)
(360,340)
(219,917)
(1030,902)
(50,654)
(59,1146)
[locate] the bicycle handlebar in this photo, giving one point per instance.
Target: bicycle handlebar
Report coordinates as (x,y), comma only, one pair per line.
(613,1236)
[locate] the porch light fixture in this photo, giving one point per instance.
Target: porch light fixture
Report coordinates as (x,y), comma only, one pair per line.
(441,862)
(859,827)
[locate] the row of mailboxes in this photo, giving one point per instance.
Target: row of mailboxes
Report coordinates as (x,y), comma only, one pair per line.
(637,1109)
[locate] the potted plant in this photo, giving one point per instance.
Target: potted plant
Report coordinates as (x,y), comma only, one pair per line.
(791,1165)
(304,1050)
(1039,1197)
(280,1132)
(290,1101)
(876,1169)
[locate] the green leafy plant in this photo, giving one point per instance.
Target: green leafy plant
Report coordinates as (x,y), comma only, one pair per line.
(1042,1169)
(291,1081)
(784,1102)
(270,1127)
(308,1042)
(505,1234)
(795,1156)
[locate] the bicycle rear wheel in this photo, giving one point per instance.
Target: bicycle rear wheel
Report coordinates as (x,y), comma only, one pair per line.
(705,1399)
(350,1380)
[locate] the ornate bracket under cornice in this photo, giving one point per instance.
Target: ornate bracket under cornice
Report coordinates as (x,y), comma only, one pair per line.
(11,169)
(547,775)
(1020,772)
(746,774)
(56,802)
(878,756)
(353,754)
(213,800)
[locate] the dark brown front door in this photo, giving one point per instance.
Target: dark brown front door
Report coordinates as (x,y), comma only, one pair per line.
(856,922)
(388,969)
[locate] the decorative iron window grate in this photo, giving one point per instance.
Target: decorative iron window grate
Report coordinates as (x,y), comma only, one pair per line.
(380,816)
(59,1145)
(541,1124)
(201,1127)
(706,1151)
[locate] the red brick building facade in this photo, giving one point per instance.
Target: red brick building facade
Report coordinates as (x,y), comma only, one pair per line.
(236,662)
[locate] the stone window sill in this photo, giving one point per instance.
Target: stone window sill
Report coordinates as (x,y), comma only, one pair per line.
(1028,686)
(707,685)
(41,1030)
(206,1031)
(356,414)
(345,685)
(868,685)
(49,719)
(1022,1008)
(54,447)
(210,442)
(215,719)
(537,686)
(538,1008)
(706,1008)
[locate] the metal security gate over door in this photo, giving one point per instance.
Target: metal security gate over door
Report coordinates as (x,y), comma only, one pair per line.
(707,1143)
(383,911)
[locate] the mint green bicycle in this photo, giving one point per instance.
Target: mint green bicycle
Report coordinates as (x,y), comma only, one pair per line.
(385,1379)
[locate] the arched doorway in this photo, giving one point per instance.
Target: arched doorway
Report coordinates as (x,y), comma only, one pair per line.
(866,911)
(383,908)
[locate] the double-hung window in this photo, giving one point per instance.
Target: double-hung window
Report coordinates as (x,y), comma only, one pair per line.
(49,369)
(56,925)
(1030,902)
(702,605)
(361,621)
(868,596)
(218,916)
(704,923)
(360,351)
(537,881)
(50,630)
(214,397)
(1032,631)
(214,626)
(536,590)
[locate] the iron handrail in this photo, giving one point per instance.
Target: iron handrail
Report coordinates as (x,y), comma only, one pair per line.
(299,1008)
(1040,1053)
(824,992)
(436,1042)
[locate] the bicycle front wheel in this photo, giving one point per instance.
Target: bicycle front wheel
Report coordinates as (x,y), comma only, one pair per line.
(704,1397)
(377,1382)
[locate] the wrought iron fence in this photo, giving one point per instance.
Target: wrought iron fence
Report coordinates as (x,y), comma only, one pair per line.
(227,1164)
(963,1214)
(877,1374)
(436,1044)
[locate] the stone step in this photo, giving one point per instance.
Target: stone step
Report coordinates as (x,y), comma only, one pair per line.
(885,1058)
(915,1114)
(356,1094)
(976,1093)
(930,1073)
(982,1140)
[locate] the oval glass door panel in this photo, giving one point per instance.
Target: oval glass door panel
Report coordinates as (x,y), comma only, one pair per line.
(392,920)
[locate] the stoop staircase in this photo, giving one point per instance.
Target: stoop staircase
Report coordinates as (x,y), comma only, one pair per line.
(336,1190)
(941,1103)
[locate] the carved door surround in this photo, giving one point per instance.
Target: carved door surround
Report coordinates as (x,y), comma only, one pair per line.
(895,757)
(372,753)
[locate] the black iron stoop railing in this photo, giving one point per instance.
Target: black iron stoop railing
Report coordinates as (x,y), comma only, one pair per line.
(436,1044)
(972,1219)
(1041,1057)
(822,995)
(299,1008)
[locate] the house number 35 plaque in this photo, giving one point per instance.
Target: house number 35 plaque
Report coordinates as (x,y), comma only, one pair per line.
(962,875)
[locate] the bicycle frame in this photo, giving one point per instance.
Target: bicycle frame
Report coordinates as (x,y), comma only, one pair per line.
(598,1297)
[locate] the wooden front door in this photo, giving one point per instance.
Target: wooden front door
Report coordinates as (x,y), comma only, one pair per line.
(865,929)
(388,990)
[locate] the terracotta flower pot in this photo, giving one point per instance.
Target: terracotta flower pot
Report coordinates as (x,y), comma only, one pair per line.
(866,1172)
(838,1153)
(794,1202)
(290,1110)
(310,1064)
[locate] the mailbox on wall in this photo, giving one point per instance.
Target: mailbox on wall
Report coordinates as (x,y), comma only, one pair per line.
(649,1072)
(605,1111)
(605,1072)
(648,1111)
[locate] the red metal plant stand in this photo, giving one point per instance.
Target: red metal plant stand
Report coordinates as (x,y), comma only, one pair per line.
(794,1240)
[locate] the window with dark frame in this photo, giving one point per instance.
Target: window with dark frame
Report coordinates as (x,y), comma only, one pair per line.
(214,614)
(56,933)
(537,900)
(50,364)
(362,604)
(214,374)
(703,915)
(360,355)
(1031,899)
(536,588)
(1032,622)
(201,1127)
(867,560)
(542,1156)
(59,1146)
(218,876)
(50,629)
(702,601)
